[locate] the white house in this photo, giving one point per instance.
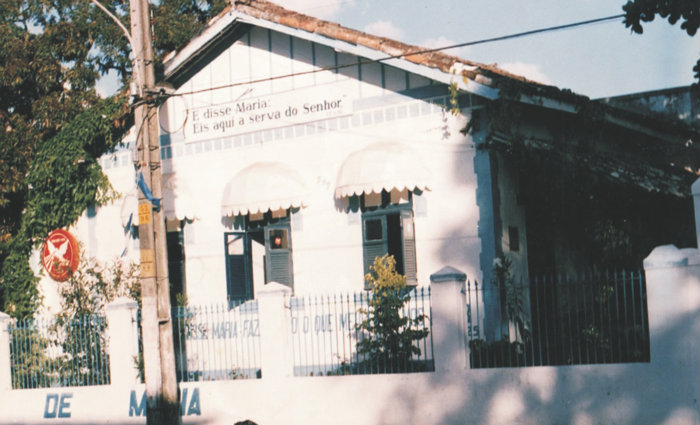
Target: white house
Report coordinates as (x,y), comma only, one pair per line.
(296,150)
(297,154)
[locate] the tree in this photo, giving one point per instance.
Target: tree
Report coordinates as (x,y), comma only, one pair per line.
(390,334)
(54,126)
(638,11)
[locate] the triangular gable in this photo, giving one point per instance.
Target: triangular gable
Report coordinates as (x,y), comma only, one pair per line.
(234,21)
(233,86)
(244,25)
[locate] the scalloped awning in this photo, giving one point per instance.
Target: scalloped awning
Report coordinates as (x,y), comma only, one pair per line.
(261,187)
(383,166)
(178,198)
(178,201)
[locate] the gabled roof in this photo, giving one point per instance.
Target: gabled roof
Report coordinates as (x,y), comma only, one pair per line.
(433,64)
(489,81)
(480,79)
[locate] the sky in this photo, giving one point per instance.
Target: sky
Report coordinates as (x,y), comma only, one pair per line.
(599,60)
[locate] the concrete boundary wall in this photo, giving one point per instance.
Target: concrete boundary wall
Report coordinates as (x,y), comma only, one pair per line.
(664,391)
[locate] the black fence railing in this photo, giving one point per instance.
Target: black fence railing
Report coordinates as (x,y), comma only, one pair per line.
(214,342)
(572,320)
(357,334)
(59,352)
(217,342)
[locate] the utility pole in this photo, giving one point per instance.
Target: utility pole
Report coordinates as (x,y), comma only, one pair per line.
(162,401)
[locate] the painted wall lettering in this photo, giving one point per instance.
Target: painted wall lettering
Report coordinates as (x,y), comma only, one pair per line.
(137,409)
(223,330)
(189,405)
(265,113)
(57,406)
(330,323)
(193,407)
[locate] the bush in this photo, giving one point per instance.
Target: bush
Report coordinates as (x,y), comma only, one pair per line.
(502,353)
(389,336)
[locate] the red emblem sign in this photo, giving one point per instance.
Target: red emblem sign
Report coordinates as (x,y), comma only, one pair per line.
(60,255)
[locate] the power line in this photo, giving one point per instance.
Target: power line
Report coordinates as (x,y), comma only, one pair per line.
(526,33)
(415,52)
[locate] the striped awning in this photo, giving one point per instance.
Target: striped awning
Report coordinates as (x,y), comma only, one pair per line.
(383,166)
(261,187)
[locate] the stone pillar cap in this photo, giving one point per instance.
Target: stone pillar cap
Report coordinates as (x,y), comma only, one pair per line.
(670,256)
(448,273)
(122,302)
(274,288)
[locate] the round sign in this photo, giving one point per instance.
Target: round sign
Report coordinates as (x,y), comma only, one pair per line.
(60,255)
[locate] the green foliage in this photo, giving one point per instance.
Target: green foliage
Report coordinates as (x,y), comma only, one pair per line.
(501,353)
(383,275)
(94,285)
(65,352)
(84,359)
(614,242)
(53,126)
(454,108)
(33,367)
(176,21)
(688,11)
(638,11)
(511,296)
(72,350)
(64,179)
(80,324)
(18,291)
(389,333)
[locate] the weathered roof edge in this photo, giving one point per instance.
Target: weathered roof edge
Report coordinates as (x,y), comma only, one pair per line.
(477,77)
(487,81)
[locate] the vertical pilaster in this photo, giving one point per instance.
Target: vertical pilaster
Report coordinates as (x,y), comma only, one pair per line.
(123,342)
(275,331)
(695,188)
(5,364)
(447,300)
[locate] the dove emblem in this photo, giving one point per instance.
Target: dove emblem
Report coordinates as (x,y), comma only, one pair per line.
(60,255)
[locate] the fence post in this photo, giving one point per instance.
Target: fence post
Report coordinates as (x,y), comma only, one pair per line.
(5,364)
(446,287)
(275,328)
(123,341)
(673,299)
(695,188)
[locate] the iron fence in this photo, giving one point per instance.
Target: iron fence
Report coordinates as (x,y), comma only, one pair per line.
(59,352)
(217,342)
(563,320)
(361,334)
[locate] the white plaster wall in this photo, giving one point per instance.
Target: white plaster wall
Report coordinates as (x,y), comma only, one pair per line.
(327,242)
(327,245)
(663,391)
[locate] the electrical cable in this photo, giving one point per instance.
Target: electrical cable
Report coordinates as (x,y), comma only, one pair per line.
(363,61)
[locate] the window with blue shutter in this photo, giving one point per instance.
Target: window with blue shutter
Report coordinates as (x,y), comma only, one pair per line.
(278,254)
(239,277)
(375,239)
(272,232)
(388,229)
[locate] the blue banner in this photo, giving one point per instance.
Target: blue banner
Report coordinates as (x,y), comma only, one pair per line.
(147,192)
